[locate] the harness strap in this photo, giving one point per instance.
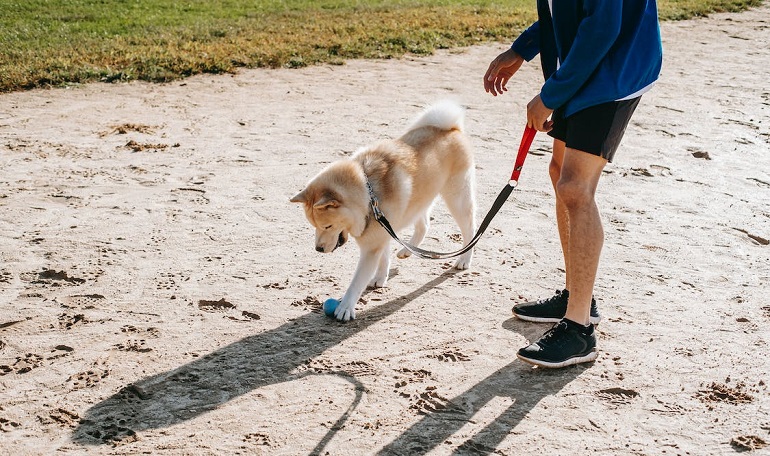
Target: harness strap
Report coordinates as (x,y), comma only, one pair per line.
(526,143)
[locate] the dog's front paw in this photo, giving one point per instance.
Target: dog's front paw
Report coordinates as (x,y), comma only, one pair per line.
(463,263)
(403,253)
(345,311)
(378,282)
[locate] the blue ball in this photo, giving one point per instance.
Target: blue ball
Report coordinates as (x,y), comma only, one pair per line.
(330,305)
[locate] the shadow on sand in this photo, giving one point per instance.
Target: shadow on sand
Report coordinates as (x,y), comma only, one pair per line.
(524,385)
(273,357)
(206,383)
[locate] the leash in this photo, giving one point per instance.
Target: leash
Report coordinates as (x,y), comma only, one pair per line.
(526,143)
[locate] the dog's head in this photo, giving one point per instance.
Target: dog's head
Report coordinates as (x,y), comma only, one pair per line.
(330,206)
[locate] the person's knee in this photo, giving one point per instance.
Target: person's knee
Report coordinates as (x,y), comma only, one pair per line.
(554,170)
(574,193)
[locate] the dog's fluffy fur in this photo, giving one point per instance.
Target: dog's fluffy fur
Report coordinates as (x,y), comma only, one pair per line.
(432,158)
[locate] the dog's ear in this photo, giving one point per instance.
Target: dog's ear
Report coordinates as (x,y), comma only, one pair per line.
(299,197)
(327,201)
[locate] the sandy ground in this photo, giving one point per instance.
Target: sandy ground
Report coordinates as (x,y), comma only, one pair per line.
(159,294)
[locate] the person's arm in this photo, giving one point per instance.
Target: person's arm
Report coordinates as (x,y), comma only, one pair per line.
(596,34)
(505,65)
(527,44)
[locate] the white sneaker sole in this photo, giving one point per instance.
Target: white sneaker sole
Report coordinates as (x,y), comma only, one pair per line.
(592,320)
(569,362)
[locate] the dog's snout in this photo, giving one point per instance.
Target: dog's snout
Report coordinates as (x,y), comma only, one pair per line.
(319,248)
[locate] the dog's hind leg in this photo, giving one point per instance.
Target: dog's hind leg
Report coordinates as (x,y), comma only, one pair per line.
(420,230)
(383,269)
(459,199)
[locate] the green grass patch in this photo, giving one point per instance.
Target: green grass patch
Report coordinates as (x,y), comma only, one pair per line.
(688,9)
(58,42)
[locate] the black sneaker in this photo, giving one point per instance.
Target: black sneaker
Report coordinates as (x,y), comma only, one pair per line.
(565,344)
(551,310)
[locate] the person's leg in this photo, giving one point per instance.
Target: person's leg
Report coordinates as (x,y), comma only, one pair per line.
(552,309)
(576,188)
(591,138)
(554,169)
(573,339)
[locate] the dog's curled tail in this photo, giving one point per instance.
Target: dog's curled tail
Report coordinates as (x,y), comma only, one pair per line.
(446,115)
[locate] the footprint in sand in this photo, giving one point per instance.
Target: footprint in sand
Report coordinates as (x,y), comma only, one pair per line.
(126,128)
(170,281)
(359,369)
(151,332)
(430,401)
(697,153)
(5,277)
(60,351)
(310,303)
(88,379)
(22,365)
(134,345)
(667,408)
(215,306)
(425,401)
(7,425)
(111,430)
(84,301)
(258,438)
(190,195)
(67,322)
(52,277)
(451,356)
(617,396)
(141,147)
(748,443)
(60,416)
(414,376)
(721,392)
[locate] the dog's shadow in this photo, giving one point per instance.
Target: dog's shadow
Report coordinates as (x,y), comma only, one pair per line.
(273,357)
(206,383)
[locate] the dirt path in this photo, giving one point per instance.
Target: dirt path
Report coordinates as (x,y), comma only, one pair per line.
(159,294)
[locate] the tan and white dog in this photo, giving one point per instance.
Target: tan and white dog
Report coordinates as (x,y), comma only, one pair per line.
(406,174)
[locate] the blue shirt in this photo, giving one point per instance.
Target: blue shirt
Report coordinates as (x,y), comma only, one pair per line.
(593,51)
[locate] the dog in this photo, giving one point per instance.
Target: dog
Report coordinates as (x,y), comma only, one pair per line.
(406,175)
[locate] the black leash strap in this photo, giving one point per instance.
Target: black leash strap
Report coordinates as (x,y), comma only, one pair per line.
(526,143)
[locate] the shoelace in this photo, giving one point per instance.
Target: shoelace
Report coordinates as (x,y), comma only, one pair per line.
(550,334)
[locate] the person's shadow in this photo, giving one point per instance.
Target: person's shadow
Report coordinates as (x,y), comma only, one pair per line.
(273,357)
(519,383)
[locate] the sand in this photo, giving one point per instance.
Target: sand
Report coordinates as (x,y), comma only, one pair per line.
(160,295)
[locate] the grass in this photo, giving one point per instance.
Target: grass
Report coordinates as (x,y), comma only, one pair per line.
(59,42)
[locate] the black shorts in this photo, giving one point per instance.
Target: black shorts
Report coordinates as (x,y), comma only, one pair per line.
(596,129)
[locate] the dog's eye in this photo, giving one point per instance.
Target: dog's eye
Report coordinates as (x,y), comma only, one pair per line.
(328,227)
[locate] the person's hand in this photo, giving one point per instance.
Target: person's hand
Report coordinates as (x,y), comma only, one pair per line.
(502,68)
(538,114)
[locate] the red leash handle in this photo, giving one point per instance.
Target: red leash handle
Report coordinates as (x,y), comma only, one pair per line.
(526,143)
